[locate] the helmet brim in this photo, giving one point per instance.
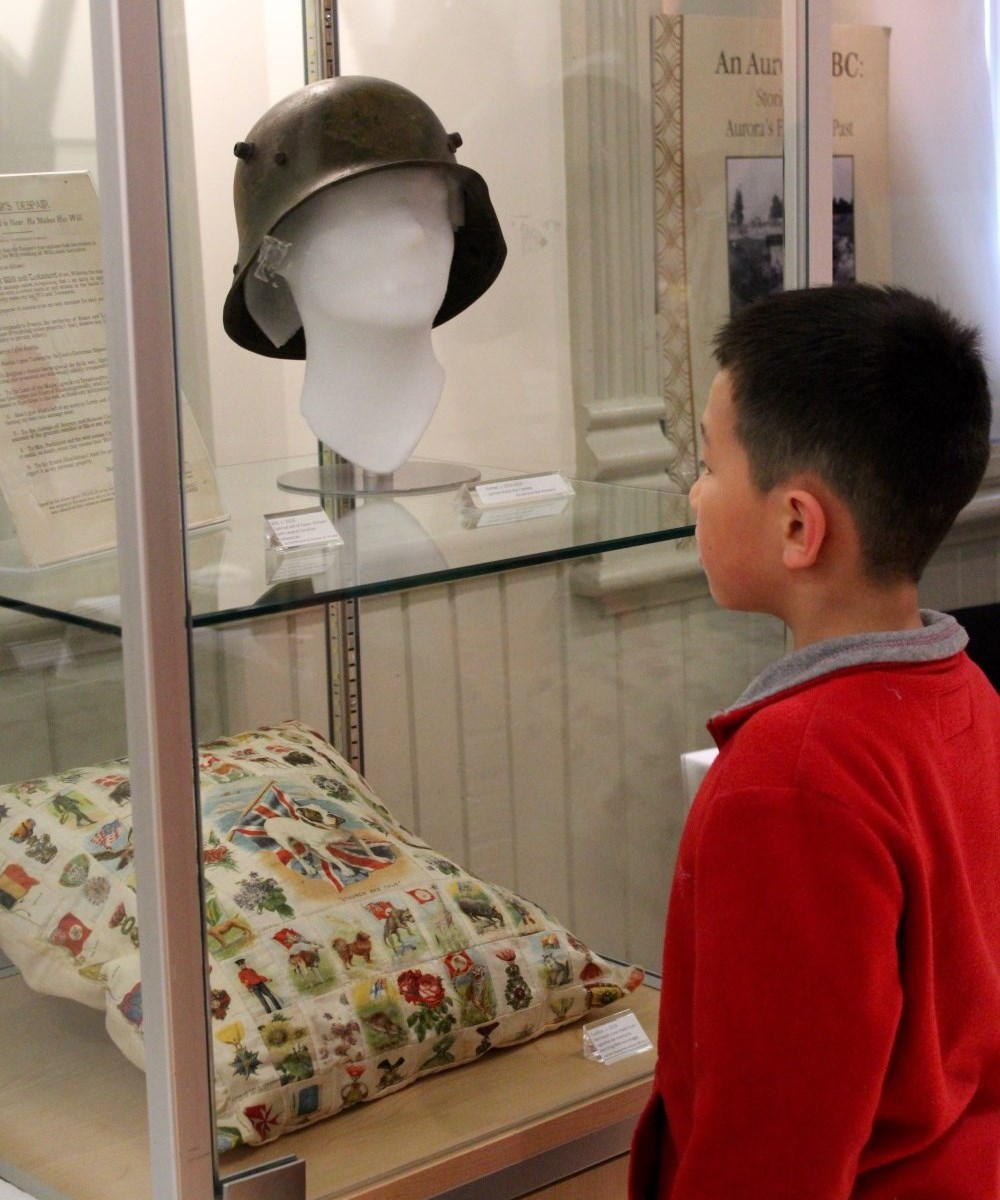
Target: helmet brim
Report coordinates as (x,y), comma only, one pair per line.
(479,254)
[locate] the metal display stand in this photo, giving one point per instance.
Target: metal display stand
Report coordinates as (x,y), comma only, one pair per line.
(347,479)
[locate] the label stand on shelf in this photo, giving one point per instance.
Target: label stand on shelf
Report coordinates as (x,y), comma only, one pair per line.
(297,543)
(300,529)
(524,489)
(616,1037)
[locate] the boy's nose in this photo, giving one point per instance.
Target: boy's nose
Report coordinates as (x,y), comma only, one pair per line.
(693,493)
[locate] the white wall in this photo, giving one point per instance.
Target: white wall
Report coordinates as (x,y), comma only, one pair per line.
(240,57)
(492,70)
(46,87)
(942,146)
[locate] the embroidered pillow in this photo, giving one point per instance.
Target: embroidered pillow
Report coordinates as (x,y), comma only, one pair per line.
(347,957)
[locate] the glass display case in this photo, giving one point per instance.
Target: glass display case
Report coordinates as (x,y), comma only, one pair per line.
(227,729)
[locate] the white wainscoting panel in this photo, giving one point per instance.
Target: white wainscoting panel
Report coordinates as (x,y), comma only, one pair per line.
(536,737)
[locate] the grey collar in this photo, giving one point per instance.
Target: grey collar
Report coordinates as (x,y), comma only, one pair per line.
(940,637)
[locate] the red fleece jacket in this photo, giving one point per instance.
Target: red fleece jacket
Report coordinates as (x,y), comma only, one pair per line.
(830,1016)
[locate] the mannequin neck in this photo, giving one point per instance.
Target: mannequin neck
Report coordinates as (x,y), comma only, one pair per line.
(370,392)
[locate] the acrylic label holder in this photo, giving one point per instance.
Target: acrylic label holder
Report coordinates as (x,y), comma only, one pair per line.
(613,1038)
(297,542)
(524,489)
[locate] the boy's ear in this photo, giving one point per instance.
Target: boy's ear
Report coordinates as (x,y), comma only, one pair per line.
(804,528)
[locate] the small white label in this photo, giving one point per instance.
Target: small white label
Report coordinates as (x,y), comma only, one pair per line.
(300,528)
(500,492)
(615,1038)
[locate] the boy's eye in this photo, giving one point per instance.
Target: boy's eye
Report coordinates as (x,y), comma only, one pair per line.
(703,467)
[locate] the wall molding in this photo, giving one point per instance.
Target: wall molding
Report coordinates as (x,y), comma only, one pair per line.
(670,573)
(608,104)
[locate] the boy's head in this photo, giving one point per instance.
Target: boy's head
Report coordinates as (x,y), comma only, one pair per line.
(880,393)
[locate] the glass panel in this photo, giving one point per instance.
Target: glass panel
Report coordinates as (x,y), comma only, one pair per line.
(937,78)
(72,1104)
(653,206)
(939,158)
(527,724)
(385,543)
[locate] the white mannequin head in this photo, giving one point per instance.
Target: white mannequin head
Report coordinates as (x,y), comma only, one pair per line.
(366,263)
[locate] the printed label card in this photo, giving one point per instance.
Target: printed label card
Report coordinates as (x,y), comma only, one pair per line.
(522,489)
(55,413)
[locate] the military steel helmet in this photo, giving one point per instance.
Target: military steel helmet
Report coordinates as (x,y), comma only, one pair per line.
(337,129)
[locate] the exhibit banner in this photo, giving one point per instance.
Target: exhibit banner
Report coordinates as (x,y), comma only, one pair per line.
(718,98)
(55,413)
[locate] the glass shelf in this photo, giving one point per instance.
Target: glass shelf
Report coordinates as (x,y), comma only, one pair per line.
(389,543)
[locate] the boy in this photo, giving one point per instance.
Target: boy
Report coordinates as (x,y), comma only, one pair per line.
(830,1015)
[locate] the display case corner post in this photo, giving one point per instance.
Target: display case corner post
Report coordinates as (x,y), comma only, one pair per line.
(126,51)
(808,138)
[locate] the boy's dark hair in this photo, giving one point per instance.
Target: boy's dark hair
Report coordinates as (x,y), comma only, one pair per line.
(880,392)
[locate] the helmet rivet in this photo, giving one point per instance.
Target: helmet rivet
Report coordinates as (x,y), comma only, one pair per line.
(454,141)
(281,158)
(244,150)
